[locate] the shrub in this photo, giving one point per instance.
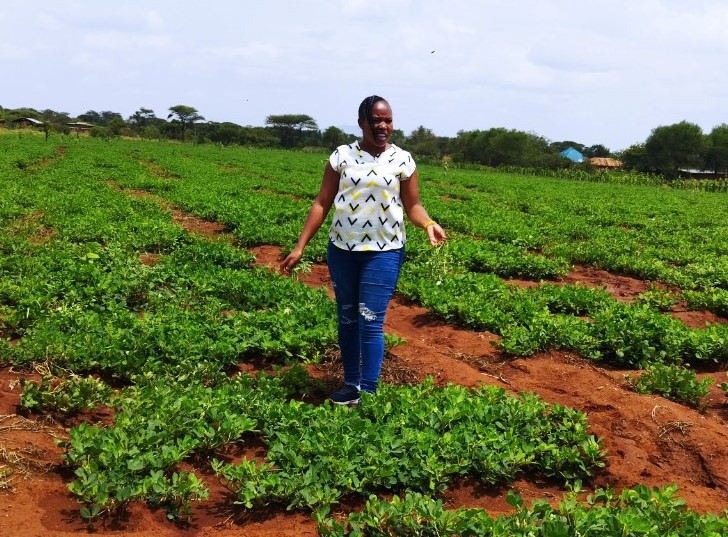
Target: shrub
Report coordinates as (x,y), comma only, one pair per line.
(674,382)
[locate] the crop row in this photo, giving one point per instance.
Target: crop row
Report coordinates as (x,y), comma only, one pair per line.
(97,280)
(75,293)
(639,511)
(97,258)
(77,297)
(573,317)
(407,438)
(501,228)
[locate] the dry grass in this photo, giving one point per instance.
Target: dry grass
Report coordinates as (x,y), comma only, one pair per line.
(13,422)
(22,461)
(6,479)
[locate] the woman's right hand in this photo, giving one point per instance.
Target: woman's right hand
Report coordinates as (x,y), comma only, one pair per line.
(291,260)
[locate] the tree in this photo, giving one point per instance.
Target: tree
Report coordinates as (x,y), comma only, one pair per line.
(54,122)
(57,119)
(499,146)
(184,116)
(108,117)
(142,118)
(671,147)
(151,132)
(597,150)
(92,116)
(717,154)
(423,142)
(333,137)
(259,137)
(115,125)
(510,148)
(469,146)
(635,158)
(100,118)
(225,133)
(292,129)
(22,112)
(398,138)
(558,147)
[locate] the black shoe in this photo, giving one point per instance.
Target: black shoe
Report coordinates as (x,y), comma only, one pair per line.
(348,395)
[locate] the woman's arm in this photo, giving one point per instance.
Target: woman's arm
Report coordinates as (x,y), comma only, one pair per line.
(316,216)
(409,191)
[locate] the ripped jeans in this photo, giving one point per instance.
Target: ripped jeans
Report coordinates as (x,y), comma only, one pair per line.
(363,283)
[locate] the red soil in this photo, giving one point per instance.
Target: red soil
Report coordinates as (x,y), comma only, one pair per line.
(649,440)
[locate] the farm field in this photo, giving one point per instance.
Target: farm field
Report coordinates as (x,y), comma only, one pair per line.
(158,377)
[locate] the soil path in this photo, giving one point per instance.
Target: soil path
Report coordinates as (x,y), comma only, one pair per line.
(650,440)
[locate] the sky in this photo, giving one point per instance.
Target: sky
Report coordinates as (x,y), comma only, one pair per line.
(593,72)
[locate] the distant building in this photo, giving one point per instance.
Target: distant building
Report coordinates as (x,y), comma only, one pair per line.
(701,174)
(26,122)
(572,154)
(80,126)
(605,162)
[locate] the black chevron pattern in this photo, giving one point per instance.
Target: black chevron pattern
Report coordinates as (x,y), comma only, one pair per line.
(368,211)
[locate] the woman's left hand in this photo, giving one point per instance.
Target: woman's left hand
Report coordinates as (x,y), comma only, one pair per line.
(436,234)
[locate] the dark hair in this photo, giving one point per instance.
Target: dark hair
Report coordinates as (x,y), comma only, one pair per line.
(365,108)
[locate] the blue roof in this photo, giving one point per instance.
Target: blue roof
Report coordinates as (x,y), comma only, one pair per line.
(572,154)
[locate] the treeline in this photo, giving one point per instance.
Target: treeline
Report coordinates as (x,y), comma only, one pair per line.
(493,147)
(681,149)
(671,151)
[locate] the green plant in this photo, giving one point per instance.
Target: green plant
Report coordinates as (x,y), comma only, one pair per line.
(409,438)
(661,299)
(440,263)
(160,422)
(173,331)
(639,511)
(673,382)
(65,394)
(6,478)
(302,269)
(393,340)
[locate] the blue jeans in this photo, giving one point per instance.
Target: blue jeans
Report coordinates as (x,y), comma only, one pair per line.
(363,283)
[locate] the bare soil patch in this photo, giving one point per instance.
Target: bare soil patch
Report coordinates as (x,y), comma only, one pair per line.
(622,288)
(158,170)
(627,289)
(46,162)
(650,440)
(31,227)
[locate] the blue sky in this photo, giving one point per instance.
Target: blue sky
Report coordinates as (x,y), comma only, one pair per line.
(592,71)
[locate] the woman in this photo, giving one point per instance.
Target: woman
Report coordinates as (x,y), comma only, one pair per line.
(369,182)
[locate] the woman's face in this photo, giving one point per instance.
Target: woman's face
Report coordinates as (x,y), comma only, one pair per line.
(378,129)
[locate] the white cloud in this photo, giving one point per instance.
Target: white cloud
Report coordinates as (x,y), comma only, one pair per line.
(110,17)
(593,71)
(118,43)
(10,52)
